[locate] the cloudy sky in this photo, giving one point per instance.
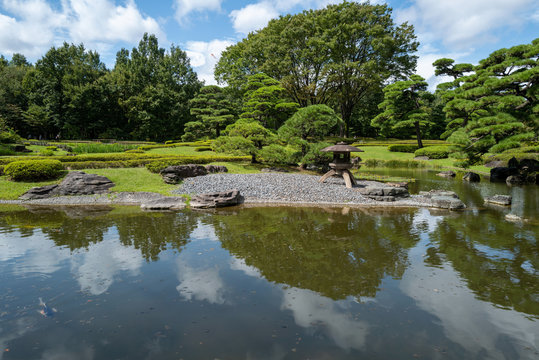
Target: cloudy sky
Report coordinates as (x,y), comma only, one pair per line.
(466,30)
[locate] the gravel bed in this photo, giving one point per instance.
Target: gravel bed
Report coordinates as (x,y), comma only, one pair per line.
(286,188)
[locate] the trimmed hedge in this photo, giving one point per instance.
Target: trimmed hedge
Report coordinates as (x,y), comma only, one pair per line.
(203,148)
(34,170)
(157,166)
(434,152)
(405,148)
(396,163)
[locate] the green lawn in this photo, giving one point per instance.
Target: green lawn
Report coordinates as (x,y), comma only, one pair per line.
(180,150)
(134,179)
(381,152)
(11,190)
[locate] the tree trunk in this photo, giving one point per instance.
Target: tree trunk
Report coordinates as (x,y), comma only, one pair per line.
(418,134)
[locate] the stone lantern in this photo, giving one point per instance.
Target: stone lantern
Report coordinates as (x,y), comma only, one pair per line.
(341,163)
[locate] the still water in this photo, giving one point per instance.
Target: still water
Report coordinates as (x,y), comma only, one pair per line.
(272,283)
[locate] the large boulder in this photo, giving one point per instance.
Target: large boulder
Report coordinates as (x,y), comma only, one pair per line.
(471,177)
(443,199)
(529,165)
(500,174)
(504,200)
(212,169)
(75,183)
(215,200)
(447,173)
(384,192)
(175,174)
(165,203)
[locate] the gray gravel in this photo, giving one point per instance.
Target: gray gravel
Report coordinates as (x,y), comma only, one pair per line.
(287,188)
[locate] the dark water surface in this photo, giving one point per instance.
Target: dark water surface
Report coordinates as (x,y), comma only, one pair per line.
(272,283)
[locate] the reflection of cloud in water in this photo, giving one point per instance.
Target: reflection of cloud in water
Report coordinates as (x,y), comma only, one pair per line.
(200,284)
(424,218)
(16,330)
(37,254)
(239,264)
(203,232)
(478,326)
(97,267)
(311,310)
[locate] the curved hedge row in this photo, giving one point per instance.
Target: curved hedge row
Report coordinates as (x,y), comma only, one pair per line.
(434,152)
(34,170)
(406,148)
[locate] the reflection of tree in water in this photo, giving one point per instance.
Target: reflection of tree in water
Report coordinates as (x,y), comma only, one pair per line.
(335,252)
(152,233)
(78,227)
(498,259)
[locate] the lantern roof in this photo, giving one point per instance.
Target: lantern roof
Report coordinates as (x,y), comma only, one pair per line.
(341,147)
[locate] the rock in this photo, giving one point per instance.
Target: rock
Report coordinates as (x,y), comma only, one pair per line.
(213,169)
(422,158)
(431,193)
(21,148)
(42,192)
(274,169)
(471,177)
(447,173)
(500,174)
(402,184)
(384,193)
(513,218)
(80,183)
(166,203)
(447,202)
(504,200)
(218,199)
(529,165)
(75,183)
(495,163)
(175,174)
(515,180)
(513,163)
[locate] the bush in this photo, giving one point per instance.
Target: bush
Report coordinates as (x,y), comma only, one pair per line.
(134,151)
(34,170)
(46,152)
(52,148)
(6,151)
(316,156)
(9,137)
(277,154)
(405,148)
(168,142)
(158,165)
(434,152)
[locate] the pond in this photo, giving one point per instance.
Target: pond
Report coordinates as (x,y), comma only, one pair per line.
(272,282)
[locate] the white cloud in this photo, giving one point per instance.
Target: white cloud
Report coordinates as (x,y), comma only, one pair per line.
(31,27)
(462,23)
(253,17)
(102,20)
(185,7)
(204,56)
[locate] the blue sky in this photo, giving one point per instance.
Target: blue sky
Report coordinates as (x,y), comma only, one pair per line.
(465,30)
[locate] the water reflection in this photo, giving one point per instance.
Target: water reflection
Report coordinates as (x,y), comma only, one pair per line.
(334,252)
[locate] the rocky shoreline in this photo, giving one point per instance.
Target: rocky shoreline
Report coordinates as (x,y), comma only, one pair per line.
(268,189)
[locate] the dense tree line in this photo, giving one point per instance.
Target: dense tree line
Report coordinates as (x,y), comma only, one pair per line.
(69,93)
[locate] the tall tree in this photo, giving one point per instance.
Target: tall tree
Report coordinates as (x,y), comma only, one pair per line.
(13,98)
(155,88)
(213,111)
(335,55)
(265,100)
(499,101)
(406,105)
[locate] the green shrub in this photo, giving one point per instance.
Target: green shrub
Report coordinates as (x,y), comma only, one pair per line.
(434,152)
(158,165)
(46,152)
(405,148)
(315,156)
(277,154)
(9,137)
(52,148)
(203,148)
(6,151)
(462,164)
(169,142)
(134,151)
(34,170)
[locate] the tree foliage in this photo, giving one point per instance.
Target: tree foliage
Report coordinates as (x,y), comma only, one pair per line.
(243,138)
(333,56)
(406,105)
(496,108)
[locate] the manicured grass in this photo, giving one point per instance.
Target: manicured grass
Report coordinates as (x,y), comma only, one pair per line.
(11,190)
(381,152)
(134,179)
